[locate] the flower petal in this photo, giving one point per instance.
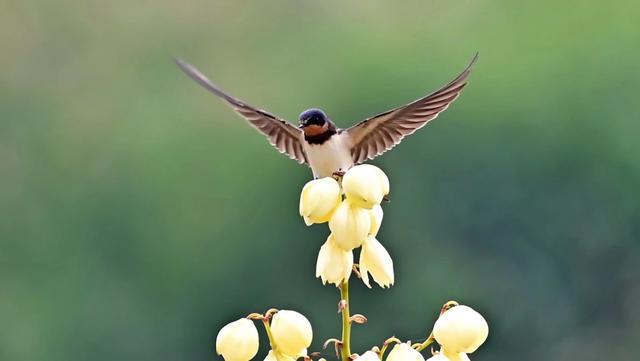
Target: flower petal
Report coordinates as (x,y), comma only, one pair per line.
(375,259)
(318,199)
(334,264)
(350,225)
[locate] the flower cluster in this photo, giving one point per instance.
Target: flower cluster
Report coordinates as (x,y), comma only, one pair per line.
(353,211)
(459,330)
(351,206)
(289,332)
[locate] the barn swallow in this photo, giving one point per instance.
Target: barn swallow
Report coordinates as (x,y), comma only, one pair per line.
(324,147)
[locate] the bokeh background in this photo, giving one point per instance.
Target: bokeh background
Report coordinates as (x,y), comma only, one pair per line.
(138,214)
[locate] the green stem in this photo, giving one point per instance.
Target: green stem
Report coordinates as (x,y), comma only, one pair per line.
(382,351)
(267,328)
(426,343)
(390,341)
(346,322)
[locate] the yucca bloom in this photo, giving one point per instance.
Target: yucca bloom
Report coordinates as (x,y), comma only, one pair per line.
(460,329)
(375,259)
(365,185)
(334,264)
(318,199)
(404,352)
(445,356)
(291,332)
(368,356)
(238,341)
(350,225)
(376,219)
(278,356)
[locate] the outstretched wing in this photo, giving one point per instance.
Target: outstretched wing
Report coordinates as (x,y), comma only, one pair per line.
(280,133)
(374,136)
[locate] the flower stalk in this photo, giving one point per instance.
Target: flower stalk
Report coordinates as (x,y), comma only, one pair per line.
(346,322)
(421,346)
(352,209)
(267,328)
(385,346)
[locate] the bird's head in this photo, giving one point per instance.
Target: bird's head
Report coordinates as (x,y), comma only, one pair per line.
(314,121)
(312,117)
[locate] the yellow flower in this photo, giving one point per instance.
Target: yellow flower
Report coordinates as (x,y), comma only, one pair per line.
(435,357)
(460,329)
(368,356)
(278,356)
(404,352)
(350,225)
(291,332)
(365,185)
(375,259)
(238,341)
(318,200)
(334,264)
(376,219)
(447,356)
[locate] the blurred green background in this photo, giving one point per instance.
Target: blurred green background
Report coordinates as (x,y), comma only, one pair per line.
(139,214)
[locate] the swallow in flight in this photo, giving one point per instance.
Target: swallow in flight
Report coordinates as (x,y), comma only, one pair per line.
(327,149)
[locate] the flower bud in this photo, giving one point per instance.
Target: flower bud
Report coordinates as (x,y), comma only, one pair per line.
(375,259)
(350,225)
(376,219)
(365,185)
(368,356)
(238,341)
(404,352)
(278,356)
(318,200)
(460,329)
(291,332)
(334,264)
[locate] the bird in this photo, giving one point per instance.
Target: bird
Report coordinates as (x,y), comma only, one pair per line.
(328,150)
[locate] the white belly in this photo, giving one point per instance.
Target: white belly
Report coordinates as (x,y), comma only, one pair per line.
(331,156)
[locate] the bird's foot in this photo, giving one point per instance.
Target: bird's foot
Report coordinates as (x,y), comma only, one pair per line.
(338,173)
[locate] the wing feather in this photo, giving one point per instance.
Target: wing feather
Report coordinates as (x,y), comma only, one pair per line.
(376,135)
(285,137)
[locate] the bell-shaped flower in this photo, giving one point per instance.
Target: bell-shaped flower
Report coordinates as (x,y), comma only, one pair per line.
(404,352)
(368,356)
(238,341)
(318,200)
(278,356)
(334,264)
(460,329)
(350,225)
(365,185)
(375,259)
(447,356)
(291,333)
(376,219)
(435,357)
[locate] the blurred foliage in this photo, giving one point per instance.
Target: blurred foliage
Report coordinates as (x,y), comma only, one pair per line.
(139,214)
